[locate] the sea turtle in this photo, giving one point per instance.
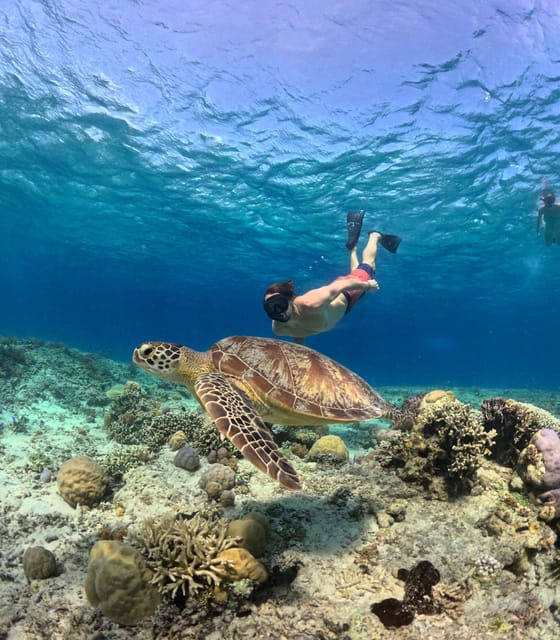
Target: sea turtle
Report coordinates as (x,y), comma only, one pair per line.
(243,382)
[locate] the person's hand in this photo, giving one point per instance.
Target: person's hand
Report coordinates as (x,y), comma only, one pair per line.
(372,285)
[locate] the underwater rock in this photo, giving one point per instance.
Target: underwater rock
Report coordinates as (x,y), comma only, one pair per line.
(39,563)
(539,467)
(238,563)
(543,468)
(217,479)
(418,596)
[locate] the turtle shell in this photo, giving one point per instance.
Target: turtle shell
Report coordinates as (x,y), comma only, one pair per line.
(296,380)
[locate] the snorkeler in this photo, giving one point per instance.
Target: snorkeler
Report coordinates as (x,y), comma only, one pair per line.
(319,310)
(549,211)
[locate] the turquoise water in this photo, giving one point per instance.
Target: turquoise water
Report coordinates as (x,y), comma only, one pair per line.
(161,165)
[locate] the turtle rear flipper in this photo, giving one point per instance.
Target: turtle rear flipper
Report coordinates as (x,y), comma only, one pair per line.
(236,418)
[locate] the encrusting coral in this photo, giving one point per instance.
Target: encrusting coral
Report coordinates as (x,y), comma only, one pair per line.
(184,554)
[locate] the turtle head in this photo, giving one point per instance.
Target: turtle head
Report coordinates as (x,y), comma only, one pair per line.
(164,360)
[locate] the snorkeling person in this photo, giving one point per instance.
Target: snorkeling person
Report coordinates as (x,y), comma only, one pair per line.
(549,211)
(321,309)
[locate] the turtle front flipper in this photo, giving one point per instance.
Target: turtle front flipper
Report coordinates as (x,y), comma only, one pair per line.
(236,418)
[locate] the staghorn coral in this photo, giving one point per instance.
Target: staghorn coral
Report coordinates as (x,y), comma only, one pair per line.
(183,553)
(447,441)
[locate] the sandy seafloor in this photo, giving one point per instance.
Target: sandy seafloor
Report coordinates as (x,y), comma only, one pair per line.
(333,548)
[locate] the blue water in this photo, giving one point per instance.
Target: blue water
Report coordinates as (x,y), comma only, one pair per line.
(162,163)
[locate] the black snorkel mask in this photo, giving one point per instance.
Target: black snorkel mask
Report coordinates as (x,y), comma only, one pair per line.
(278,307)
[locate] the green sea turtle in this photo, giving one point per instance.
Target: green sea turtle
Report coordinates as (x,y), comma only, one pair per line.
(243,382)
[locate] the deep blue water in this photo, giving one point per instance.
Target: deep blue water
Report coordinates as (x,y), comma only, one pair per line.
(162,163)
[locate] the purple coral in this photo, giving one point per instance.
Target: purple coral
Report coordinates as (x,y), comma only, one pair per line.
(548,444)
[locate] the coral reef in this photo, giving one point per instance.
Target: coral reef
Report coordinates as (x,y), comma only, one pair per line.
(118,583)
(124,458)
(330,449)
(539,468)
(39,563)
(447,441)
(183,552)
(514,424)
(130,414)
(82,481)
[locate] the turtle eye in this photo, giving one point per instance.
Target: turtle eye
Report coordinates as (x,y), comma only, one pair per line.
(146,351)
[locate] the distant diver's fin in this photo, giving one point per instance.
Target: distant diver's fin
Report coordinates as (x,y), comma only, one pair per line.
(388,241)
(354,221)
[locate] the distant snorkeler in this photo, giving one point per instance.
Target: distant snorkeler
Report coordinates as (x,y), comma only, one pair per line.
(321,309)
(549,211)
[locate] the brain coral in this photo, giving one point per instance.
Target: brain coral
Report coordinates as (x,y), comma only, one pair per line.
(330,449)
(118,583)
(81,481)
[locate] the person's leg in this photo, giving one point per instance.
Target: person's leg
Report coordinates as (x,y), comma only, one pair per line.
(548,234)
(370,250)
(353,258)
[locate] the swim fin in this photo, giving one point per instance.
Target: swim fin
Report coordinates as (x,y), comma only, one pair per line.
(354,221)
(388,241)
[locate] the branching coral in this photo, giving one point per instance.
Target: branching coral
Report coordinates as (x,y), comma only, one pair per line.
(183,553)
(447,440)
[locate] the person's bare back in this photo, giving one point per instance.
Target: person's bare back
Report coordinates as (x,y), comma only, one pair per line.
(321,309)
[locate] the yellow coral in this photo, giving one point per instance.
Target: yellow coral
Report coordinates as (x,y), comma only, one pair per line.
(330,448)
(238,563)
